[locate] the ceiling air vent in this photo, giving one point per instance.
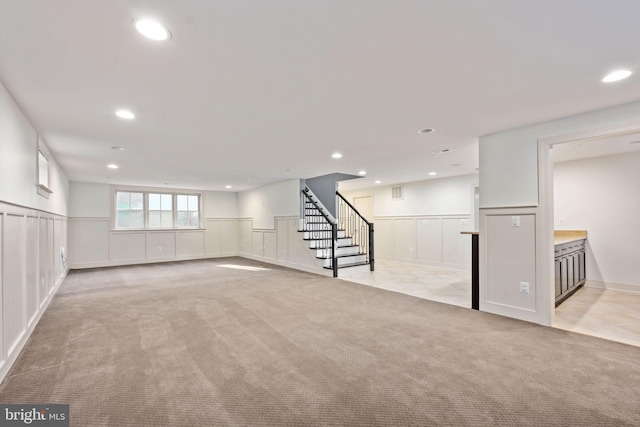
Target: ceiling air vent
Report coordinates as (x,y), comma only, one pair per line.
(397,192)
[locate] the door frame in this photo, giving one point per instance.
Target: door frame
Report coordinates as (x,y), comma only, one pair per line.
(545,226)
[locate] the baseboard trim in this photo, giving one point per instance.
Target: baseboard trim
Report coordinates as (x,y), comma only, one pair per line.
(99,264)
(622,287)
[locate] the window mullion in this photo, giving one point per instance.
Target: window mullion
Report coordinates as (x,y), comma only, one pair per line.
(174,208)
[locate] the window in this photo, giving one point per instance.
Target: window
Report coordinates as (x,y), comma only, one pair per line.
(43,169)
(42,187)
(156,210)
(129,210)
(188,212)
(160,210)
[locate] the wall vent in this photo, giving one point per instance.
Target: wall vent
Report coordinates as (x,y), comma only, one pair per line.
(397,192)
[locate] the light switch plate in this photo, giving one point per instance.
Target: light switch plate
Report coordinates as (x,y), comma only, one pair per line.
(524,287)
(515,221)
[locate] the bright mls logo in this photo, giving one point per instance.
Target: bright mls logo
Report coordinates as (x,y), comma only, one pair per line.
(34,415)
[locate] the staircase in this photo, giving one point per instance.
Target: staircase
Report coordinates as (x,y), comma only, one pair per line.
(327,235)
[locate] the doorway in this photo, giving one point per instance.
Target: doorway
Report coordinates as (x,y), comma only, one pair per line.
(590,182)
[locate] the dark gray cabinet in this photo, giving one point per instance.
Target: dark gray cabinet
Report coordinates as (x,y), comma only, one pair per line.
(570,269)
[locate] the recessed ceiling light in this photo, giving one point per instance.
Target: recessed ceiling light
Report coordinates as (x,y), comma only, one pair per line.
(427,130)
(444,150)
(616,75)
(118,148)
(456,164)
(432,173)
(336,155)
(378,182)
(152,29)
(227,186)
(112,166)
(125,114)
(362,173)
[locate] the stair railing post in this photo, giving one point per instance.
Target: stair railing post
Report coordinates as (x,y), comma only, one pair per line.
(334,244)
(371,259)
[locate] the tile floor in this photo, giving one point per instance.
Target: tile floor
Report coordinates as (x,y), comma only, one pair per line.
(613,315)
(434,283)
(608,314)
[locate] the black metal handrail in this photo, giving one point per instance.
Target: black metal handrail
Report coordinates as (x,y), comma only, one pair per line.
(357,227)
(320,227)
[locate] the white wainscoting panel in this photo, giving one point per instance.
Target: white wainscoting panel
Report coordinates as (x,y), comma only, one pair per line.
(43,260)
(161,245)
(429,240)
(229,229)
(257,246)
(31,270)
(213,236)
(383,238)
(456,251)
(3,353)
(245,236)
(404,239)
(14,310)
(511,256)
(89,242)
(94,244)
(190,243)
(282,239)
(128,246)
(270,245)
(31,242)
(284,246)
(433,240)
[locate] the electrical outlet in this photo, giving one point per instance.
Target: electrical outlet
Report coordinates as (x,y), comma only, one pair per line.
(524,287)
(515,221)
(159,248)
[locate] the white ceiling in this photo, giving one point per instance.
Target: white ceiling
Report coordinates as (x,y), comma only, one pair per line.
(253,92)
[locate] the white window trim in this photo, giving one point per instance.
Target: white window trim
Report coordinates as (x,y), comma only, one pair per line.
(42,189)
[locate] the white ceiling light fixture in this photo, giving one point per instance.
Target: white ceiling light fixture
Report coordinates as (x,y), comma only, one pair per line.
(443,151)
(362,173)
(152,29)
(427,130)
(616,76)
(336,155)
(228,186)
(378,182)
(433,173)
(125,114)
(118,148)
(112,166)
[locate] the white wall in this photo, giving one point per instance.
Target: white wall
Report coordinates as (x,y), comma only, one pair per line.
(443,196)
(94,242)
(265,203)
(509,163)
(424,227)
(18,171)
(33,231)
(602,195)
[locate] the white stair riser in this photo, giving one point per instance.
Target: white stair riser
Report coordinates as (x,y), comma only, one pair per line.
(321,244)
(348,250)
(321,234)
(346,271)
(346,261)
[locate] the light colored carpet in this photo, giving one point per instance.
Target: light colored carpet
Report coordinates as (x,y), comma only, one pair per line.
(197,344)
